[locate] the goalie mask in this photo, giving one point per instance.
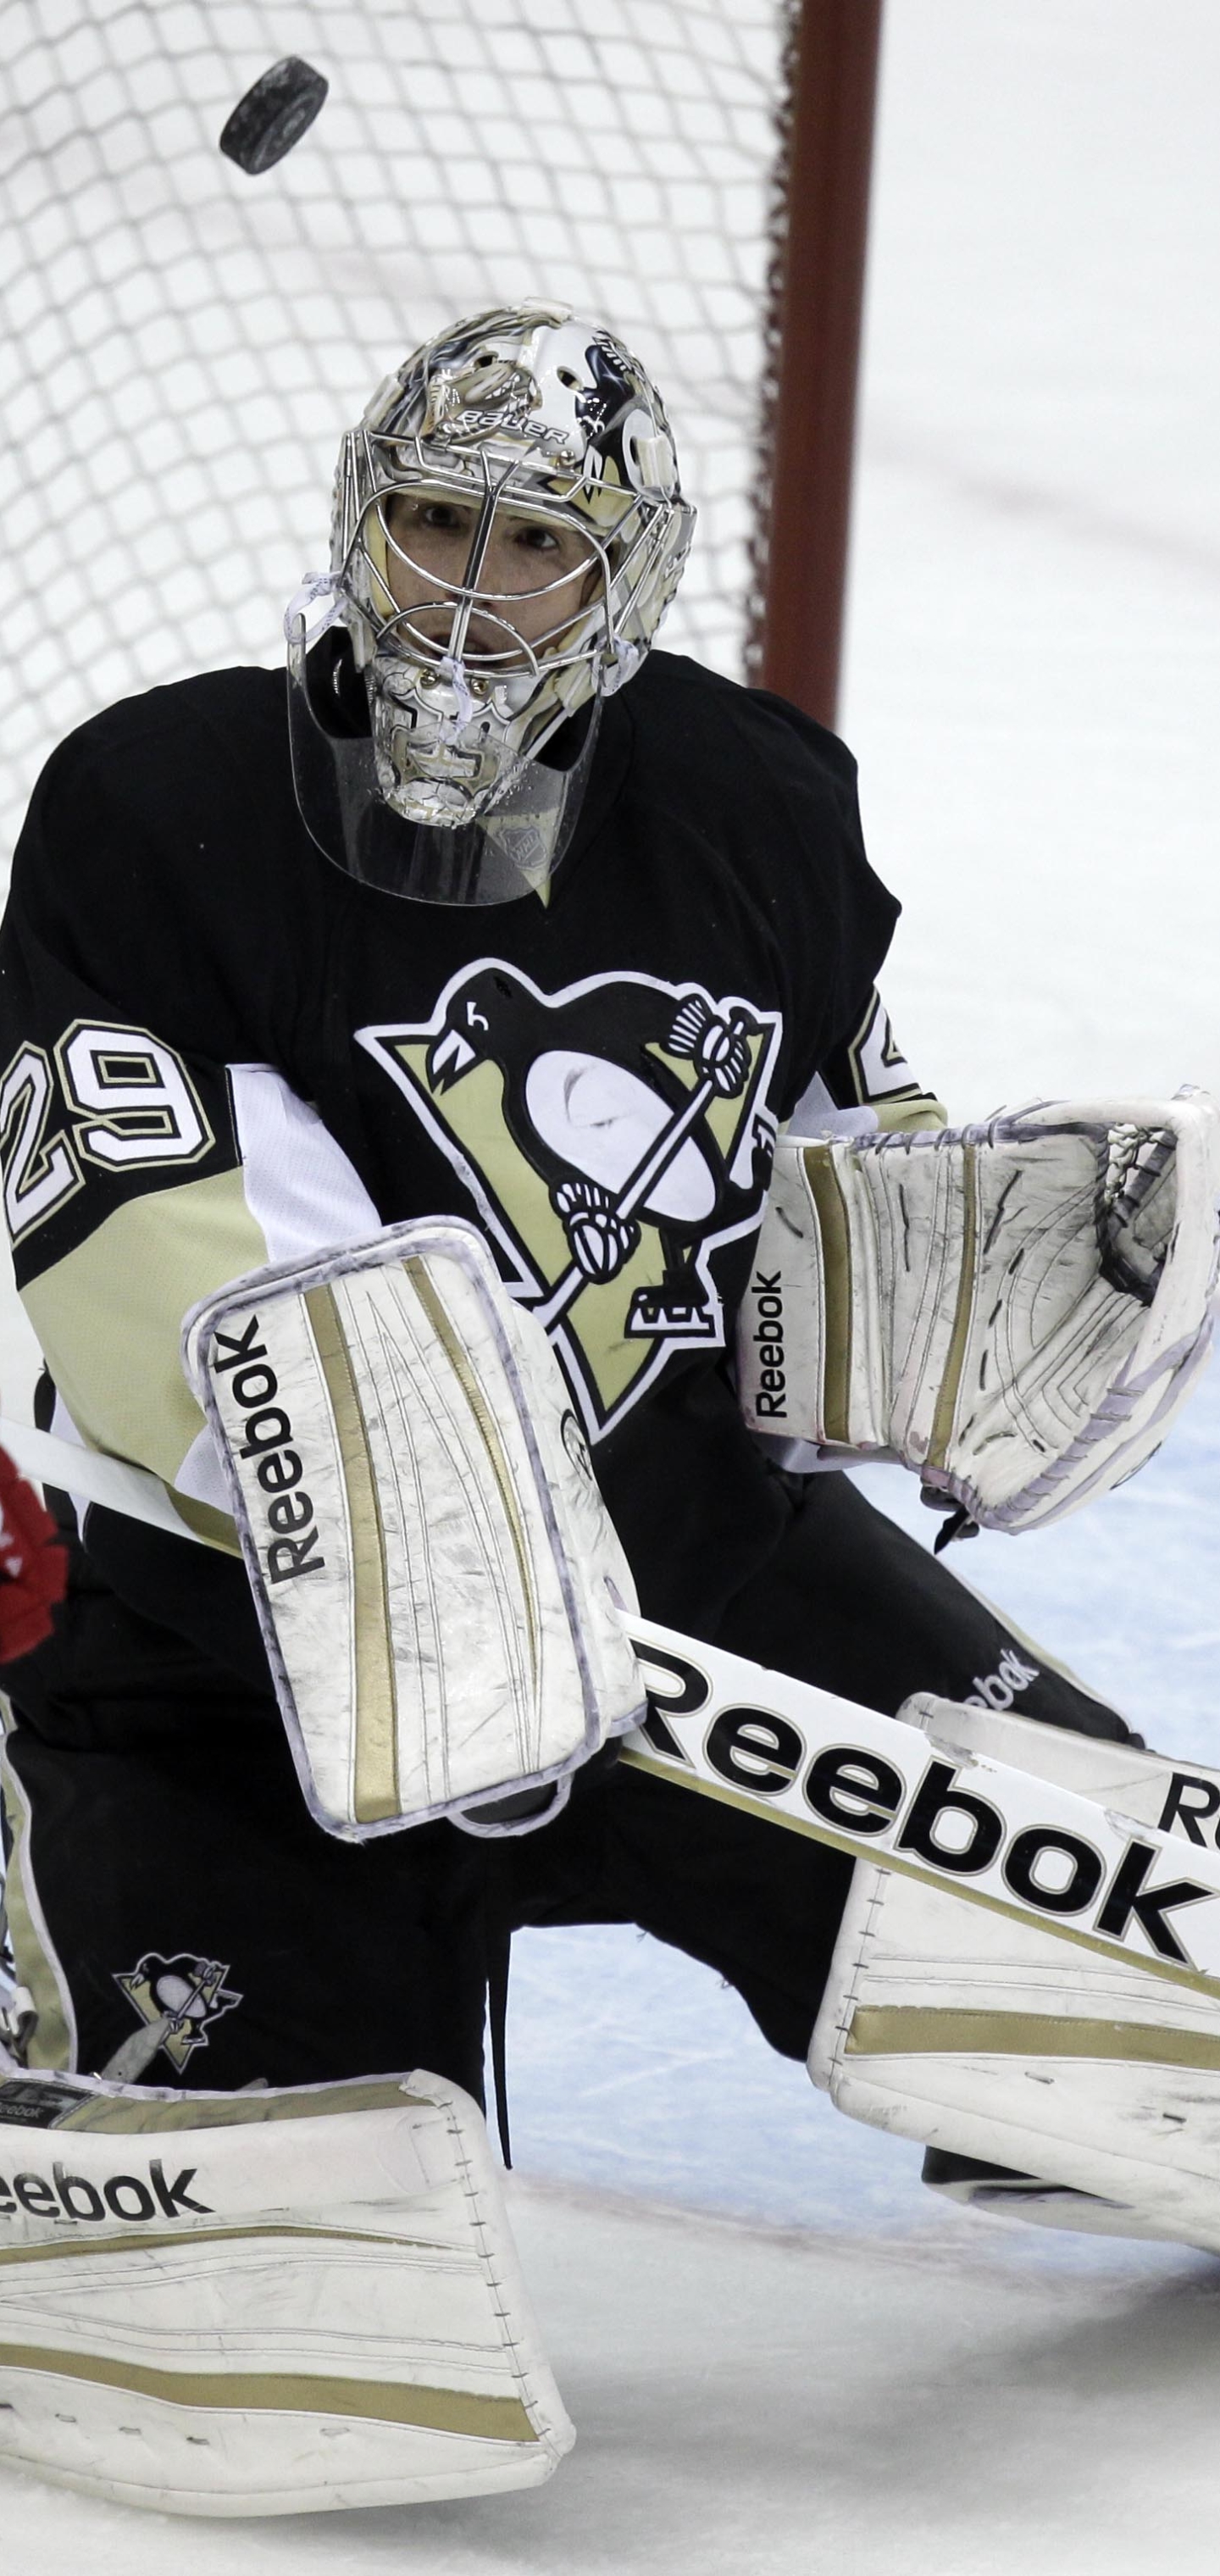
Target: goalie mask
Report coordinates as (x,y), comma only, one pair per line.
(508,533)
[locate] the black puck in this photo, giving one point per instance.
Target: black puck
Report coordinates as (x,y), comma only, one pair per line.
(273,115)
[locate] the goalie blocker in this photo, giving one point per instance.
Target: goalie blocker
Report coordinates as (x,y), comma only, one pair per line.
(1016,1310)
(436,1576)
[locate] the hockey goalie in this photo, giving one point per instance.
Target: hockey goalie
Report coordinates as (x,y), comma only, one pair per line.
(414,1069)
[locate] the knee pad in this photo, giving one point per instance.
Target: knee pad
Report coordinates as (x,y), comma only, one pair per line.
(1048,2079)
(266,2302)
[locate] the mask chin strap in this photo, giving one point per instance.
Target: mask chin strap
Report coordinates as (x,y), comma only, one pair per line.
(616,671)
(316,587)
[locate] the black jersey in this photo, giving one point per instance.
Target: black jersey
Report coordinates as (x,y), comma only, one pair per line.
(221,1051)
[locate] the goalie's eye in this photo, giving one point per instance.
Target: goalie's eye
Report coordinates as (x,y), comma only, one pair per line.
(442,514)
(412,515)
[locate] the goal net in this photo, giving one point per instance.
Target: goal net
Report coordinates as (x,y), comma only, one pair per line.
(187,342)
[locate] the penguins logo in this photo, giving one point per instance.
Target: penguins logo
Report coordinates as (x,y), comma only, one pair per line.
(180,1997)
(615,1136)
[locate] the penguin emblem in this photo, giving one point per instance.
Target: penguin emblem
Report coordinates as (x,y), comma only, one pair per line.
(614,1136)
(178,1998)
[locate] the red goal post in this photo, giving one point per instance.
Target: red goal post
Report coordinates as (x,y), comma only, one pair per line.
(187,342)
(814,324)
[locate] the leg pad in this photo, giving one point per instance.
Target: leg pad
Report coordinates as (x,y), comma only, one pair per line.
(274,2302)
(1058,2082)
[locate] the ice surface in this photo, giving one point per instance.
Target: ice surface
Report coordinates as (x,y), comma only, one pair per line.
(1034,668)
(752,2404)
(1033,680)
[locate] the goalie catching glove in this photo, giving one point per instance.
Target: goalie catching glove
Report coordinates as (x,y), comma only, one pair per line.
(436,1576)
(1015,1311)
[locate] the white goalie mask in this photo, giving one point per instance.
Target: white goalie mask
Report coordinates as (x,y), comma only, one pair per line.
(508,533)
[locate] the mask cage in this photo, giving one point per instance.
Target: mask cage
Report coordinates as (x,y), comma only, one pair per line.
(628,551)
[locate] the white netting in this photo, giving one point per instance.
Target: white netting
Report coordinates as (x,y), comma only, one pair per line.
(189,342)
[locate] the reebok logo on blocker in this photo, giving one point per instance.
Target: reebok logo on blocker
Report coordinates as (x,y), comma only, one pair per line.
(267,1436)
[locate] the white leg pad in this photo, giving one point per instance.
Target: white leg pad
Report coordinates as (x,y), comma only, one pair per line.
(270,2302)
(976,2033)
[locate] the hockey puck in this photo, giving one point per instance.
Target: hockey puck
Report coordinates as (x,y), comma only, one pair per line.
(273,115)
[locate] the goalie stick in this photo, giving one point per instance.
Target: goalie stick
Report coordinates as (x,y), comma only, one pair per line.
(903,1793)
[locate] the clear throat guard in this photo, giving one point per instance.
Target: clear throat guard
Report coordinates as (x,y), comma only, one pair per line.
(512,848)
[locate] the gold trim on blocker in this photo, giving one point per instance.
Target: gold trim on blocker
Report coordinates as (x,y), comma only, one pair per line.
(376,1786)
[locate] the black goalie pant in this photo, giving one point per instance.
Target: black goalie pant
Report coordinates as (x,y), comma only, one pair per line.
(163,1870)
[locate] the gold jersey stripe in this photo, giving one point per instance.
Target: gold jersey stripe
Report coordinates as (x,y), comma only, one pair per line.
(376,1788)
(913,1113)
(433,2410)
(109,1316)
(903,2031)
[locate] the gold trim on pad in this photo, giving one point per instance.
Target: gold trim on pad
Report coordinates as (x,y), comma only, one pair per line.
(902,2031)
(141,2114)
(69,2249)
(433,2410)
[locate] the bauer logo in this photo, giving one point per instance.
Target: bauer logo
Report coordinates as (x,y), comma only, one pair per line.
(261,1435)
(848,1792)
